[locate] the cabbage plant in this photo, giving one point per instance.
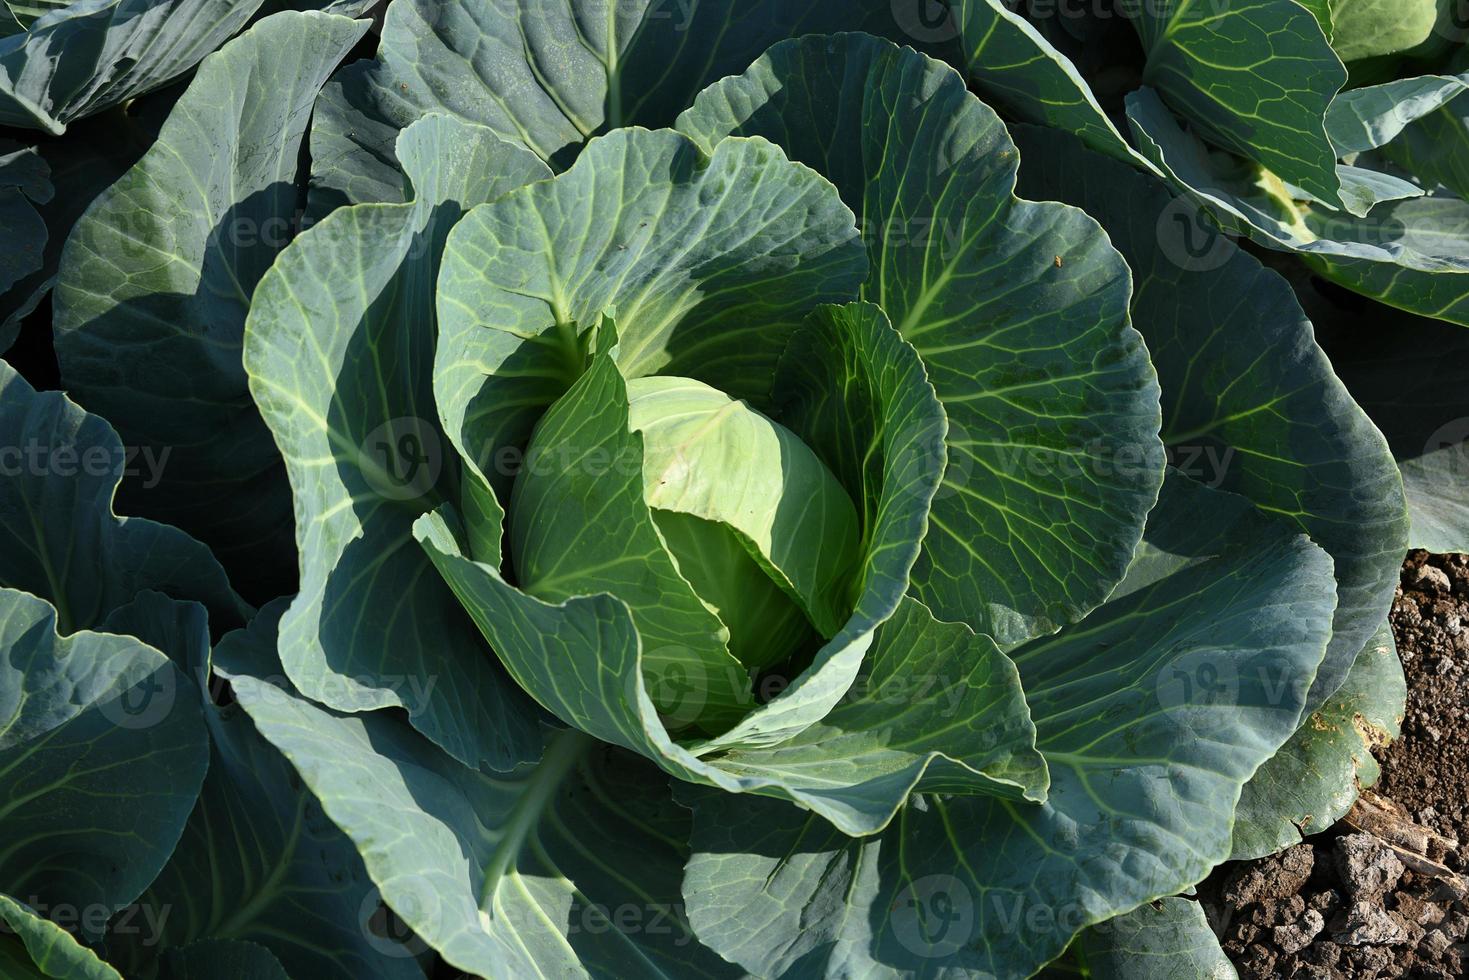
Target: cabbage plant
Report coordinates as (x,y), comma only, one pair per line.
(84,87)
(694,490)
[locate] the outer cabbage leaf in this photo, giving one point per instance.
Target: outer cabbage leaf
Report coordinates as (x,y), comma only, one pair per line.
(222,959)
(38,948)
(1435,230)
(1018,310)
(25,183)
(1146,766)
(1015,68)
(854,763)
(538,870)
(549,74)
(81,713)
(156,279)
(58,536)
(258,862)
(1411,254)
(94,153)
(1255,77)
(1373,116)
(27,12)
(1435,148)
(92,54)
(1251,403)
(1168,940)
(339,366)
(1312,782)
(1412,376)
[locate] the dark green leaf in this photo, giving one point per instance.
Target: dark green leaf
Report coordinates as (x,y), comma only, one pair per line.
(156,280)
(1254,76)
(1312,782)
(1251,403)
(1152,713)
(59,538)
(102,755)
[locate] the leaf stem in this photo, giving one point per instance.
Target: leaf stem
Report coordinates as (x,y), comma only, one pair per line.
(565,751)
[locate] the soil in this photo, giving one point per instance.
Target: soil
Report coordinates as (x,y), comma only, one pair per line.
(1381,895)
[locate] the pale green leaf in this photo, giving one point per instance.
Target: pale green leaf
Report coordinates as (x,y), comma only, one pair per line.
(38,948)
(339,366)
(1370,28)
(716,459)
